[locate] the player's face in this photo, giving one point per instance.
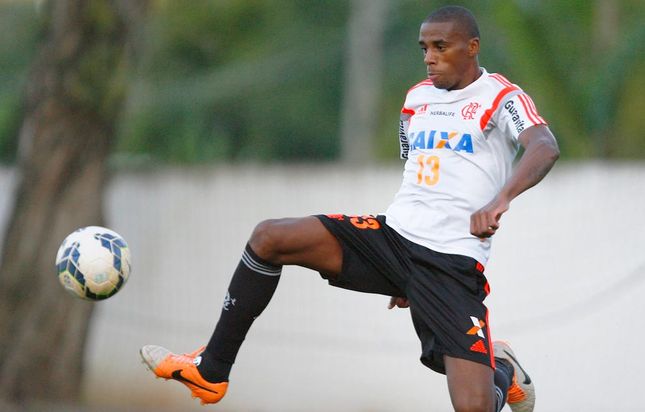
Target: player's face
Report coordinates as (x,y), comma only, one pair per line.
(449,55)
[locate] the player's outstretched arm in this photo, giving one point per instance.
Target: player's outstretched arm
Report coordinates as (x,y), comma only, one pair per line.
(540,153)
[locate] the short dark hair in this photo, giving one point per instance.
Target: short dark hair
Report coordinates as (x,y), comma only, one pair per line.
(463,18)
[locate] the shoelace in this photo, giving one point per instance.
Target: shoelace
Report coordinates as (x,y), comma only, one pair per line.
(180,359)
(187,357)
(194,353)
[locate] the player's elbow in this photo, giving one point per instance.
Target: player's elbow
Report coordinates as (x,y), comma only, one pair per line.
(549,150)
(539,141)
(552,152)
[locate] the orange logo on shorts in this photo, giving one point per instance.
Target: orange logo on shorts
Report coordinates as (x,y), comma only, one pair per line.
(365,222)
(477,329)
(479,347)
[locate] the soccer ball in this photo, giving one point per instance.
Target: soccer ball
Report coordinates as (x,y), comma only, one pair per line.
(93,263)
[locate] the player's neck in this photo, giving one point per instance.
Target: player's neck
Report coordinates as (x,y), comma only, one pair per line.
(472,74)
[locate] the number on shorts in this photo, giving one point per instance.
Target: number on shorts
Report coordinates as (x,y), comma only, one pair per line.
(365,222)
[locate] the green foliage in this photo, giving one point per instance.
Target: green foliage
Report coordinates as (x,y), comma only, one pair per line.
(20,32)
(239,80)
(10,118)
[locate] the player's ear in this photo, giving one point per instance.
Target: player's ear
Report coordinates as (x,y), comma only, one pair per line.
(473,47)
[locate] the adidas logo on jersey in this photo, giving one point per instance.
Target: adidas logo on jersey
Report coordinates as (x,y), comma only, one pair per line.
(436,139)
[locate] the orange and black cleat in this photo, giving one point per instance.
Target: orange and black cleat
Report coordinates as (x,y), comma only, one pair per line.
(182,368)
(521,393)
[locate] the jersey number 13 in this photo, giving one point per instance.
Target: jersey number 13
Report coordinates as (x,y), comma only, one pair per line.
(428,172)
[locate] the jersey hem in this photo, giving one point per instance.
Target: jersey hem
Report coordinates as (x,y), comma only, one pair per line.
(479,257)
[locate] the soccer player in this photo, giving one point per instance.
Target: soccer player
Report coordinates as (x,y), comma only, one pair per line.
(460,130)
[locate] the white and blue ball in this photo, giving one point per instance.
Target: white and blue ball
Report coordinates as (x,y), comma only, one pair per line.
(93,263)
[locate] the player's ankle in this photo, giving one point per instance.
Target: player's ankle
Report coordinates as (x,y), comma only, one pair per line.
(212,369)
(506,367)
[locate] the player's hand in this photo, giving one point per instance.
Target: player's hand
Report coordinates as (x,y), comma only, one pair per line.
(485,222)
(397,302)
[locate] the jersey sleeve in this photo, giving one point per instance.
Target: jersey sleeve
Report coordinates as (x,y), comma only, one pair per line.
(407,112)
(517,114)
(404,123)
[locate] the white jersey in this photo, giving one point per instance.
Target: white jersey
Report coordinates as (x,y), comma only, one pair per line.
(460,146)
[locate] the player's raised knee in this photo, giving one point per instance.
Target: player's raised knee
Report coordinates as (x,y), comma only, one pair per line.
(265,239)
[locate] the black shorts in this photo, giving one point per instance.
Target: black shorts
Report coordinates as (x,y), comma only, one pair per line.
(446,292)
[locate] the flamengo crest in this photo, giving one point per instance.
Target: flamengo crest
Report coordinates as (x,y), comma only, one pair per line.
(468,111)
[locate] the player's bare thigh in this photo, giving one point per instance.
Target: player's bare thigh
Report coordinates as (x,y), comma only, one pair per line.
(298,241)
(470,384)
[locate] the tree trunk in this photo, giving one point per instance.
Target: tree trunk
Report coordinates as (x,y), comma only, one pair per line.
(74,94)
(363,75)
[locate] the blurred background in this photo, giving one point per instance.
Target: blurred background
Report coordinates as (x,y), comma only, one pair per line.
(181,124)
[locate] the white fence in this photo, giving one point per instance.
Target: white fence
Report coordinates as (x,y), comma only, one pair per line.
(567,276)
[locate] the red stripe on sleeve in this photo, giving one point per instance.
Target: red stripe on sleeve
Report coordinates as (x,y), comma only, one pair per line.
(535,110)
(503,80)
(407,111)
(489,113)
(530,112)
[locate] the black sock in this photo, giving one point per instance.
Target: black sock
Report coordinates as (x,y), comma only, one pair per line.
(503,378)
(249,292)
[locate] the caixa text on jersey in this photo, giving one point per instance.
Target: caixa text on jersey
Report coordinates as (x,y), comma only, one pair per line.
(437,139)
